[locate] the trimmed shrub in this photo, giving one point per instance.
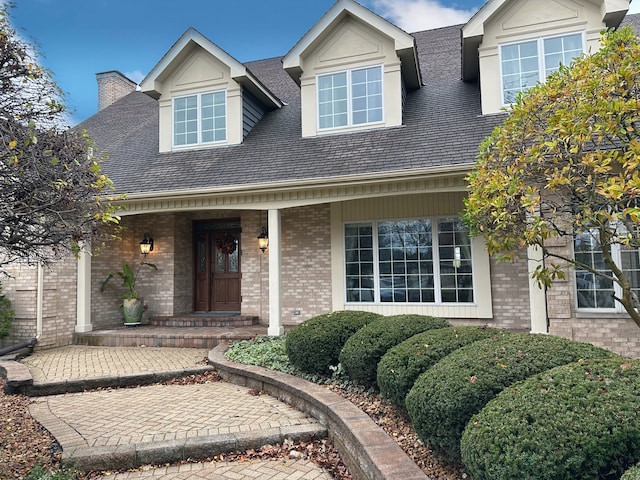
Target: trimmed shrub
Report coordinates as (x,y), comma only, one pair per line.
(403,364)
(575,421)
(632,474)
(314,345)
(6,315)
(365,348)
(446,396)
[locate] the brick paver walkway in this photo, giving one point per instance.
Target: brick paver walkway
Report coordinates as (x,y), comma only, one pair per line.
(162,413)
(263,470)
(75,362)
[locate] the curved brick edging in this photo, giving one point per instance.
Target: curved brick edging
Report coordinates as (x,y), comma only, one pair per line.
(365,448)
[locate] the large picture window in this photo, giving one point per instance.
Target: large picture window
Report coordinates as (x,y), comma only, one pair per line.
(200,119)
(408,261)
(594,291)
(352,97)
(526,63)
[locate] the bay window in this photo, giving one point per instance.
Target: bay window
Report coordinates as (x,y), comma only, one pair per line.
(408,261)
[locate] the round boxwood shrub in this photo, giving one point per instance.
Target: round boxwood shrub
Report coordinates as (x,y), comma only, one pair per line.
(632,474)
(403,364)
(446,396)
(362,352)
(575,421)
(314,345)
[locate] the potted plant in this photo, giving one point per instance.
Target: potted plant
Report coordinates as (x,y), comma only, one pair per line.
(132,305)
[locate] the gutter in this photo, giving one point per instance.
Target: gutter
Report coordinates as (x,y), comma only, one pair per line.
(325,182)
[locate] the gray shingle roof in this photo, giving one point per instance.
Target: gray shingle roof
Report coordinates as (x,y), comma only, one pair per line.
(443,126)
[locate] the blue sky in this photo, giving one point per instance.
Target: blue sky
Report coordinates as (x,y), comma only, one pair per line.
(79,38)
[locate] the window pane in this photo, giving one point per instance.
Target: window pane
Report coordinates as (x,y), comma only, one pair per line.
(366,91)
(454,249)
(400,243)
(592,291)
(561,50)
(185,123)
(520,69)
(332,100)
(359,268)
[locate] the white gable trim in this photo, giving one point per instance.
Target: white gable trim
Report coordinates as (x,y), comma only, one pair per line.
(404,43)
(152,83)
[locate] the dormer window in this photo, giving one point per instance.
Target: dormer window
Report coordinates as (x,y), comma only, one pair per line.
(200,119)
(351,97)
(524,64)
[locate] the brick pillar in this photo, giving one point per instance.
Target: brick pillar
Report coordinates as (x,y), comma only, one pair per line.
(112,86)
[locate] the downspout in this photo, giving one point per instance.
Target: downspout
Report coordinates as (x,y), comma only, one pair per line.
(39,301)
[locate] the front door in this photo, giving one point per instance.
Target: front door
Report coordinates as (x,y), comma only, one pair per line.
(217,267)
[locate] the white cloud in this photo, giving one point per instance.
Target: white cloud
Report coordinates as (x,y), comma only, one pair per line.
(136,76)
(417,15)
(634,7)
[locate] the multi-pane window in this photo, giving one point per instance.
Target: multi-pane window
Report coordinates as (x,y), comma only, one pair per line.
(408,261)
(526,63)
(595,291)
(352,97)
(199,119)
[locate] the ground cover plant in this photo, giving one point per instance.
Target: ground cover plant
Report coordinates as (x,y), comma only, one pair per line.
(632,474)
(579,420)
(403,364)
(315,344)
(446,396)
(364,349)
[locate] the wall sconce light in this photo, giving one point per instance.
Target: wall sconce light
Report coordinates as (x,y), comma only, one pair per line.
(146,245)
(263,240)
(457,258)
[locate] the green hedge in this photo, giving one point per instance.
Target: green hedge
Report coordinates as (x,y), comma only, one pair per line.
(6,315)
(577,421)
(446,396)
(363,351)
(403,364)
(632,474)
(314,345)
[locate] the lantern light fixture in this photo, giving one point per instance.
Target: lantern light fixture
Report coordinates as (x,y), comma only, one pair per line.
(263,240)
(146,245)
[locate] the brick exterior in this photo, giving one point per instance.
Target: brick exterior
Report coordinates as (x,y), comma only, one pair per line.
(59,303)
(510,294)
(112,86)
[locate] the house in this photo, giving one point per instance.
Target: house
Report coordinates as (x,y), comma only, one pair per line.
(349,154)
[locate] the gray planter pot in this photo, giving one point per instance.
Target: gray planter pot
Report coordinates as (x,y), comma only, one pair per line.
(132,308)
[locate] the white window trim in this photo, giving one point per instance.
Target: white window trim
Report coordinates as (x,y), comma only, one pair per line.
(350,124)
(436,263)
(541,67)
(198,95)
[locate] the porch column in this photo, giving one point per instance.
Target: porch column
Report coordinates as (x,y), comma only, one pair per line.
(275,295)
(537,297)
(83,291)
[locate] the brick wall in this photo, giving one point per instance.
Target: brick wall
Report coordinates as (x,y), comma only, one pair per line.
(510,294)
(59,302)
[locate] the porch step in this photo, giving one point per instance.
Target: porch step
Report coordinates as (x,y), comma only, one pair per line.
(162,336)
(205,321)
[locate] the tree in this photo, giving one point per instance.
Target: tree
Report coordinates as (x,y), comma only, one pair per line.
(52,192)
(564,163)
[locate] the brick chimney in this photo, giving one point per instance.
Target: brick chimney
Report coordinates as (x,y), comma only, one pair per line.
(112,86)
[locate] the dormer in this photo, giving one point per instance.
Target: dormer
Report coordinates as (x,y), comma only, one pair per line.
(206,97)
(510,45)
(354,69)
